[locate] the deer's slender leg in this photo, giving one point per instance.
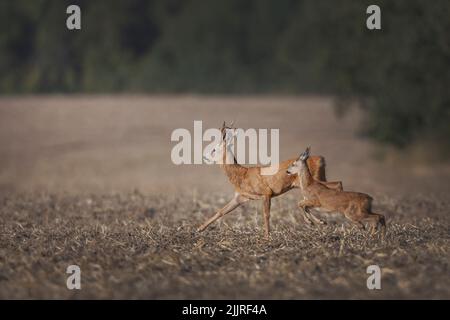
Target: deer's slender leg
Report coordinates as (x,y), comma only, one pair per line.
(267,216)
(382,223)
(376,220)
(356,215)
(230,206)
(309,217)
(302,205)
(314,219)
(359,224)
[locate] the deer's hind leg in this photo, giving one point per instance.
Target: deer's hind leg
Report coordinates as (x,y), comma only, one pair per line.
(376,221)
(355,215)
(230,206)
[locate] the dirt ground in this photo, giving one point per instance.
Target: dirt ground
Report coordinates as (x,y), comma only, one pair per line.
(89,181)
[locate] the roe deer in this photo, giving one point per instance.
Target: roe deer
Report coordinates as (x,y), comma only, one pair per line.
(355,206)
(250,184)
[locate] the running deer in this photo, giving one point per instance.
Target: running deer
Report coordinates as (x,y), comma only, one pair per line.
(251,184)
(355,206)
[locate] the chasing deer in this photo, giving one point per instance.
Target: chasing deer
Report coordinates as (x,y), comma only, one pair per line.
(355,206)
(251,184)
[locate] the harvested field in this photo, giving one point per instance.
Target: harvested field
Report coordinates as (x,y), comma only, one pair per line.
(89,181)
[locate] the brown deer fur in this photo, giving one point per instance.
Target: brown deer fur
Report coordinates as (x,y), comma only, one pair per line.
(355,206)
(250,184)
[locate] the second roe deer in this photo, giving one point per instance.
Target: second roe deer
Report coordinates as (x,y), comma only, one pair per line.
(355,206)
(251,184)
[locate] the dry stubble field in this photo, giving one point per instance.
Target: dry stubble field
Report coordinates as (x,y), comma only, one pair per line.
(89,181)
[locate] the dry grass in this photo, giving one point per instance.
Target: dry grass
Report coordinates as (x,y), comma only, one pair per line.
(136,246)
(67,165)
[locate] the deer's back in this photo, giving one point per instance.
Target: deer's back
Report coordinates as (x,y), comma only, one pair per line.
(337,200)
(258,183)
(281,182)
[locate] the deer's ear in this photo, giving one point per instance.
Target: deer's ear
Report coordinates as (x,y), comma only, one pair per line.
(305,154)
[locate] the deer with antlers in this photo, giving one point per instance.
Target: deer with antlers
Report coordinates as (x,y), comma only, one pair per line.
(355,206)
(250,183)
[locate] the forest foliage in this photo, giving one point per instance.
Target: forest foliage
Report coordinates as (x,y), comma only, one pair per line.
(400,75)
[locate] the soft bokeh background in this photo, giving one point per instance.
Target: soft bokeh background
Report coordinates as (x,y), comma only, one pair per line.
(86,119)
(399,75)
(121,143)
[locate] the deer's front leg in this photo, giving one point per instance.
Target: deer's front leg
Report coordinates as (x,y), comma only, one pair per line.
(303,212)
(230,206)
(305,205)
(266,211)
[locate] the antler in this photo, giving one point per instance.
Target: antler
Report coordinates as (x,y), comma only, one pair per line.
(223,130)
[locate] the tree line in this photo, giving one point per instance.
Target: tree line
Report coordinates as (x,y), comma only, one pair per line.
(399,75)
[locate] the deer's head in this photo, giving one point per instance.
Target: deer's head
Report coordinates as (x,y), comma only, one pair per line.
(216,154)
(300,163)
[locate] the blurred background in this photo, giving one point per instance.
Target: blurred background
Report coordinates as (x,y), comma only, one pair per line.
(401,73)
(391,84)
(86,118)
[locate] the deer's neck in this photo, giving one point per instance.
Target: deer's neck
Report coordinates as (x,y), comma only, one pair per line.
(234,171)
(305,177)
